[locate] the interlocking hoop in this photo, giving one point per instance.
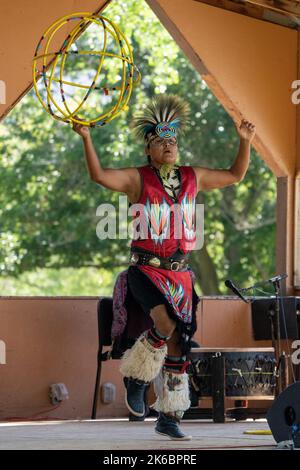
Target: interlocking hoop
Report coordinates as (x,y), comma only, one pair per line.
(50,82)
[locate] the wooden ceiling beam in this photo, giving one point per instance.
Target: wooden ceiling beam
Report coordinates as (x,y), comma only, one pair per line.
(284,13)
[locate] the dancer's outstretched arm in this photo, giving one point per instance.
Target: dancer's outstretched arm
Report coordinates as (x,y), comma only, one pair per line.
(124,180)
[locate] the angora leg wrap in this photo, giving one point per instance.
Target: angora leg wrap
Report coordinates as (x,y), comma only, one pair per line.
(172,392)
(143,361)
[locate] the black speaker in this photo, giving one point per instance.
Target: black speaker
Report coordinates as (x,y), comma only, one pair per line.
(284,415)
(289,324)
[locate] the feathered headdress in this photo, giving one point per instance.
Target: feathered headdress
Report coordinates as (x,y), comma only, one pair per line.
(166,116)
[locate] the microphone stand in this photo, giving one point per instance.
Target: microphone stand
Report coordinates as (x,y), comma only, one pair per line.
(280,370)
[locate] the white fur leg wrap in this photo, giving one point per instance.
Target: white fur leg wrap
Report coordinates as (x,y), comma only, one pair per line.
(143,361)
(172,392)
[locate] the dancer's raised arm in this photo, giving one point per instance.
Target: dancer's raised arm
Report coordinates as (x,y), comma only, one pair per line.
(124,180)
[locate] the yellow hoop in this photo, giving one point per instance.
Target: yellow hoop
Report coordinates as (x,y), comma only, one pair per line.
(125,55)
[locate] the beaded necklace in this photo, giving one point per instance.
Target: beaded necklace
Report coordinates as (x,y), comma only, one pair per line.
(170,178)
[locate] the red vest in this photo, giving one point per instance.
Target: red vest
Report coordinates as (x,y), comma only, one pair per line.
(168,225)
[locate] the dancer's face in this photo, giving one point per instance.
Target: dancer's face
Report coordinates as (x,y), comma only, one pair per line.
(162,150)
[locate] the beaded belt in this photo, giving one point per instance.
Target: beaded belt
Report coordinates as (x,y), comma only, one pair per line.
(158,262)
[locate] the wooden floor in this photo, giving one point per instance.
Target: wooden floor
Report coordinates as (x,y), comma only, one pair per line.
(122,434)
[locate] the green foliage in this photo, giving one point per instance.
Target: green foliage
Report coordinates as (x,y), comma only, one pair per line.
(48,203)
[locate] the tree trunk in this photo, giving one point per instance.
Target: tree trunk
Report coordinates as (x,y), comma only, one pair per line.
(205,272)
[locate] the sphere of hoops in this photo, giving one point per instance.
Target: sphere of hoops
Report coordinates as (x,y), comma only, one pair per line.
(46,73)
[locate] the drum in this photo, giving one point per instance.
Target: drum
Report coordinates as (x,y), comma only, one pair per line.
(248,372)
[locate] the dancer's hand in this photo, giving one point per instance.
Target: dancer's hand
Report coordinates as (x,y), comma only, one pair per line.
(83,131)
(246,130)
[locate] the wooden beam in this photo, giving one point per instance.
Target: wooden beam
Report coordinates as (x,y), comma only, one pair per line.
(261,10)
(285,6)
(285,233)
(281,229)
